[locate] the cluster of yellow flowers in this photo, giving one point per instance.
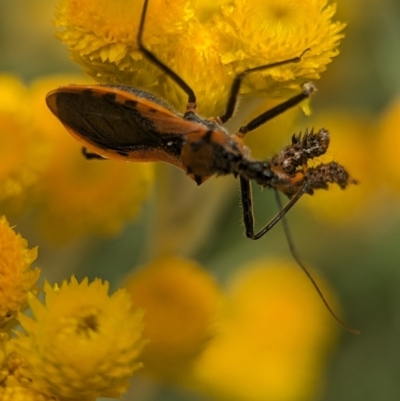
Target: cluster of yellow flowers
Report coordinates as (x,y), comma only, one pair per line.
(207,43)
(81,343)
(172,321)
(244,342)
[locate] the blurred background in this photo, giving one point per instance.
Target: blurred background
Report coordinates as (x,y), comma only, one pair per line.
(350,239)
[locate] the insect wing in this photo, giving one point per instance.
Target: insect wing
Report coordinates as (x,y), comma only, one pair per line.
(118,124)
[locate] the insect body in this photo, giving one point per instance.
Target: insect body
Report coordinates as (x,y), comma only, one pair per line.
(121,122)
(125,123)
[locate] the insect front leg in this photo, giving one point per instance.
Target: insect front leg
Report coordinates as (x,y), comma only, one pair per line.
(237,82)
(308,89)
(248,211)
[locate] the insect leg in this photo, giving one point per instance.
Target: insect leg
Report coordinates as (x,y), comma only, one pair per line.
(308,89)
(173,75)
(248,213)
(234,92)
(89,155)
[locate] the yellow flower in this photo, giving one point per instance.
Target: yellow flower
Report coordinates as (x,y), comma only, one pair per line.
(273,338)
(21,147)
(273,136)
(19,393)
(386,165)
(14,385)
(17,277)
(206,43)
(270,31)
(78,196)
(82,343)
(84,197)
(180,301)
(43,120)
(13,391)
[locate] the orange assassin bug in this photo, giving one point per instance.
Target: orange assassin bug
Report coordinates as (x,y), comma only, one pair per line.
(126,123)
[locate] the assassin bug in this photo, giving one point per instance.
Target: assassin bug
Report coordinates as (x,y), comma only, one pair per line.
(125,123)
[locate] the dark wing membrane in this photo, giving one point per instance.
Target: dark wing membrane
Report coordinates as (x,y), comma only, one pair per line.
(119,123)
(101,120)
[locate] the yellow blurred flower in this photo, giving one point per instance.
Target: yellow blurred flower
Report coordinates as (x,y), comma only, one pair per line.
(82,197)
(12,382)
(18,393)
(273,338)
(79,196)
(388,136)
(82,343)
(43,120)
(17,276)
(270,138)
(13,391)
(21,147)
(206,43)
(14,386)
(180,300)
(350,145)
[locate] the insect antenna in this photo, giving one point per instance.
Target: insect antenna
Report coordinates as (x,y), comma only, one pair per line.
(305,270)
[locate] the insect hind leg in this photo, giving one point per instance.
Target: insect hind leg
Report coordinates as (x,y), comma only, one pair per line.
(248,217)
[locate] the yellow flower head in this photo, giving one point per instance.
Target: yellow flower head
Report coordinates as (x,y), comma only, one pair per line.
(274,30)
(13,391)
(180,301)
(273,136)
(272,340)
(19,393)
(79,196)
(82,343)
(14,386)
(83,197)
(388,169)
(21,147)
(205,43)
(17,277)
